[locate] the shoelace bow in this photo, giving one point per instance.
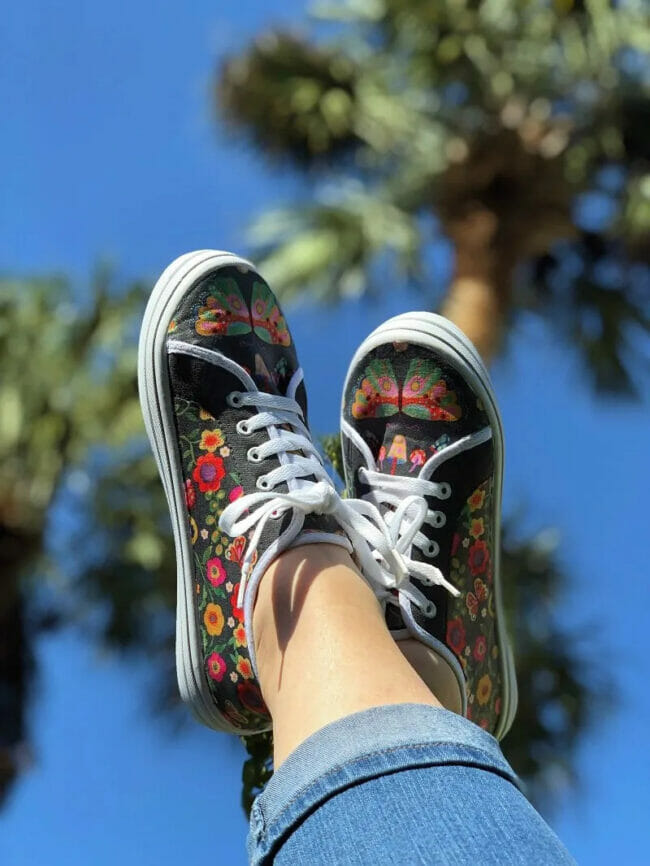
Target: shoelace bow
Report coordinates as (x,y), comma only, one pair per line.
(362,521)
(388,492)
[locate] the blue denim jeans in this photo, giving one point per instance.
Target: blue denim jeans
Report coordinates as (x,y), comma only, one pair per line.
(402,784)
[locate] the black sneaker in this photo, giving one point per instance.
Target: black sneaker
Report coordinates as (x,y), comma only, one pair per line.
(225,409)
(419,417)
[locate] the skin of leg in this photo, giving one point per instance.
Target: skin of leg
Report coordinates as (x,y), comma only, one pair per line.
(322,646)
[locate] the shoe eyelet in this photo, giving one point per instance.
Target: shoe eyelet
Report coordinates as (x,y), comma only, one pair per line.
(242,428)
(234,399)
(439,519)
(444,490)
(430,610)
(262,483)
(253,455)
(432,548)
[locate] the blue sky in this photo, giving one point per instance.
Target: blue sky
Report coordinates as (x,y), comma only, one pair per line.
(109,148)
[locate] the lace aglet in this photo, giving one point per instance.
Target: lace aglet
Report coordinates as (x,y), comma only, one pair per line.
(245,574)
(452,589)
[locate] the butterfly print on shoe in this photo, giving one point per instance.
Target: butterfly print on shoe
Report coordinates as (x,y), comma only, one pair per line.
(423,395)
(226,314)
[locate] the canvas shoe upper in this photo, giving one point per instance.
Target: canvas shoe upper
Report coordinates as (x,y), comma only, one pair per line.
(225,408)
(419,417)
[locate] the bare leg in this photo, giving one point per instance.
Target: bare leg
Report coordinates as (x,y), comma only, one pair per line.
(323,648)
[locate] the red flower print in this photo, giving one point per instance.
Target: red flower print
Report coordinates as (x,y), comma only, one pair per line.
(454,543)
(484,724)
(211,440)
(235,493)
(456,635)
(472,603)
(480,589)
(244,667)
(216,667)
(497,706)
(239,633)
(250,697)
(480,648)
(478,557)
(215,572)
(208,472)
(190,494)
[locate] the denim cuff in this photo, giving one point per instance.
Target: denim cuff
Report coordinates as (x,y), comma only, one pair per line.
(359,747)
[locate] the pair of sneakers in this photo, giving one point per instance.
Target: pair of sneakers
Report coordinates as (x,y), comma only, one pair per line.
(225,408)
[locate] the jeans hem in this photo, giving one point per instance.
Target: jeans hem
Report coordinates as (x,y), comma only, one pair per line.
(359,747)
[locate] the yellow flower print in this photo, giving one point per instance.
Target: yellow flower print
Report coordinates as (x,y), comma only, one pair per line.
(477,528)
(244,668)
(195,530)
(476,500)
(211,440)
(213,619)
(239,635)
(484,689)
(205,416)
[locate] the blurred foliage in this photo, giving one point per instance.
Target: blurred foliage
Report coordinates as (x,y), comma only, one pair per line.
(76,442)
(506,121)
(68,383)
(515,130)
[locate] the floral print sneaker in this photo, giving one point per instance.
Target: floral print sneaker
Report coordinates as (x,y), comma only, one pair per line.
(225,409)
(419,417)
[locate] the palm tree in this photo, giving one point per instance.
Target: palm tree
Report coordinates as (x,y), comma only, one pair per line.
(501,121)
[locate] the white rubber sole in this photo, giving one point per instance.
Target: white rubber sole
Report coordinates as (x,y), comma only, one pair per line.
(441,335)
(157,409)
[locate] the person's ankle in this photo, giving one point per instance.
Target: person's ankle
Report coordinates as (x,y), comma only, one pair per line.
(301,576)
(282,591)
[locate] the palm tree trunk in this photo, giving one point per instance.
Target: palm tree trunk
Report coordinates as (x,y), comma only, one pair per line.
(479,296)
(17,551)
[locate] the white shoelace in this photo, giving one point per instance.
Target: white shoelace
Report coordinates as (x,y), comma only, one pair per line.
(299,459)
(388,493)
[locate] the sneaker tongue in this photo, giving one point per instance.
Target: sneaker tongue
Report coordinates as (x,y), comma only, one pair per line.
(271,368)
(405,449)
